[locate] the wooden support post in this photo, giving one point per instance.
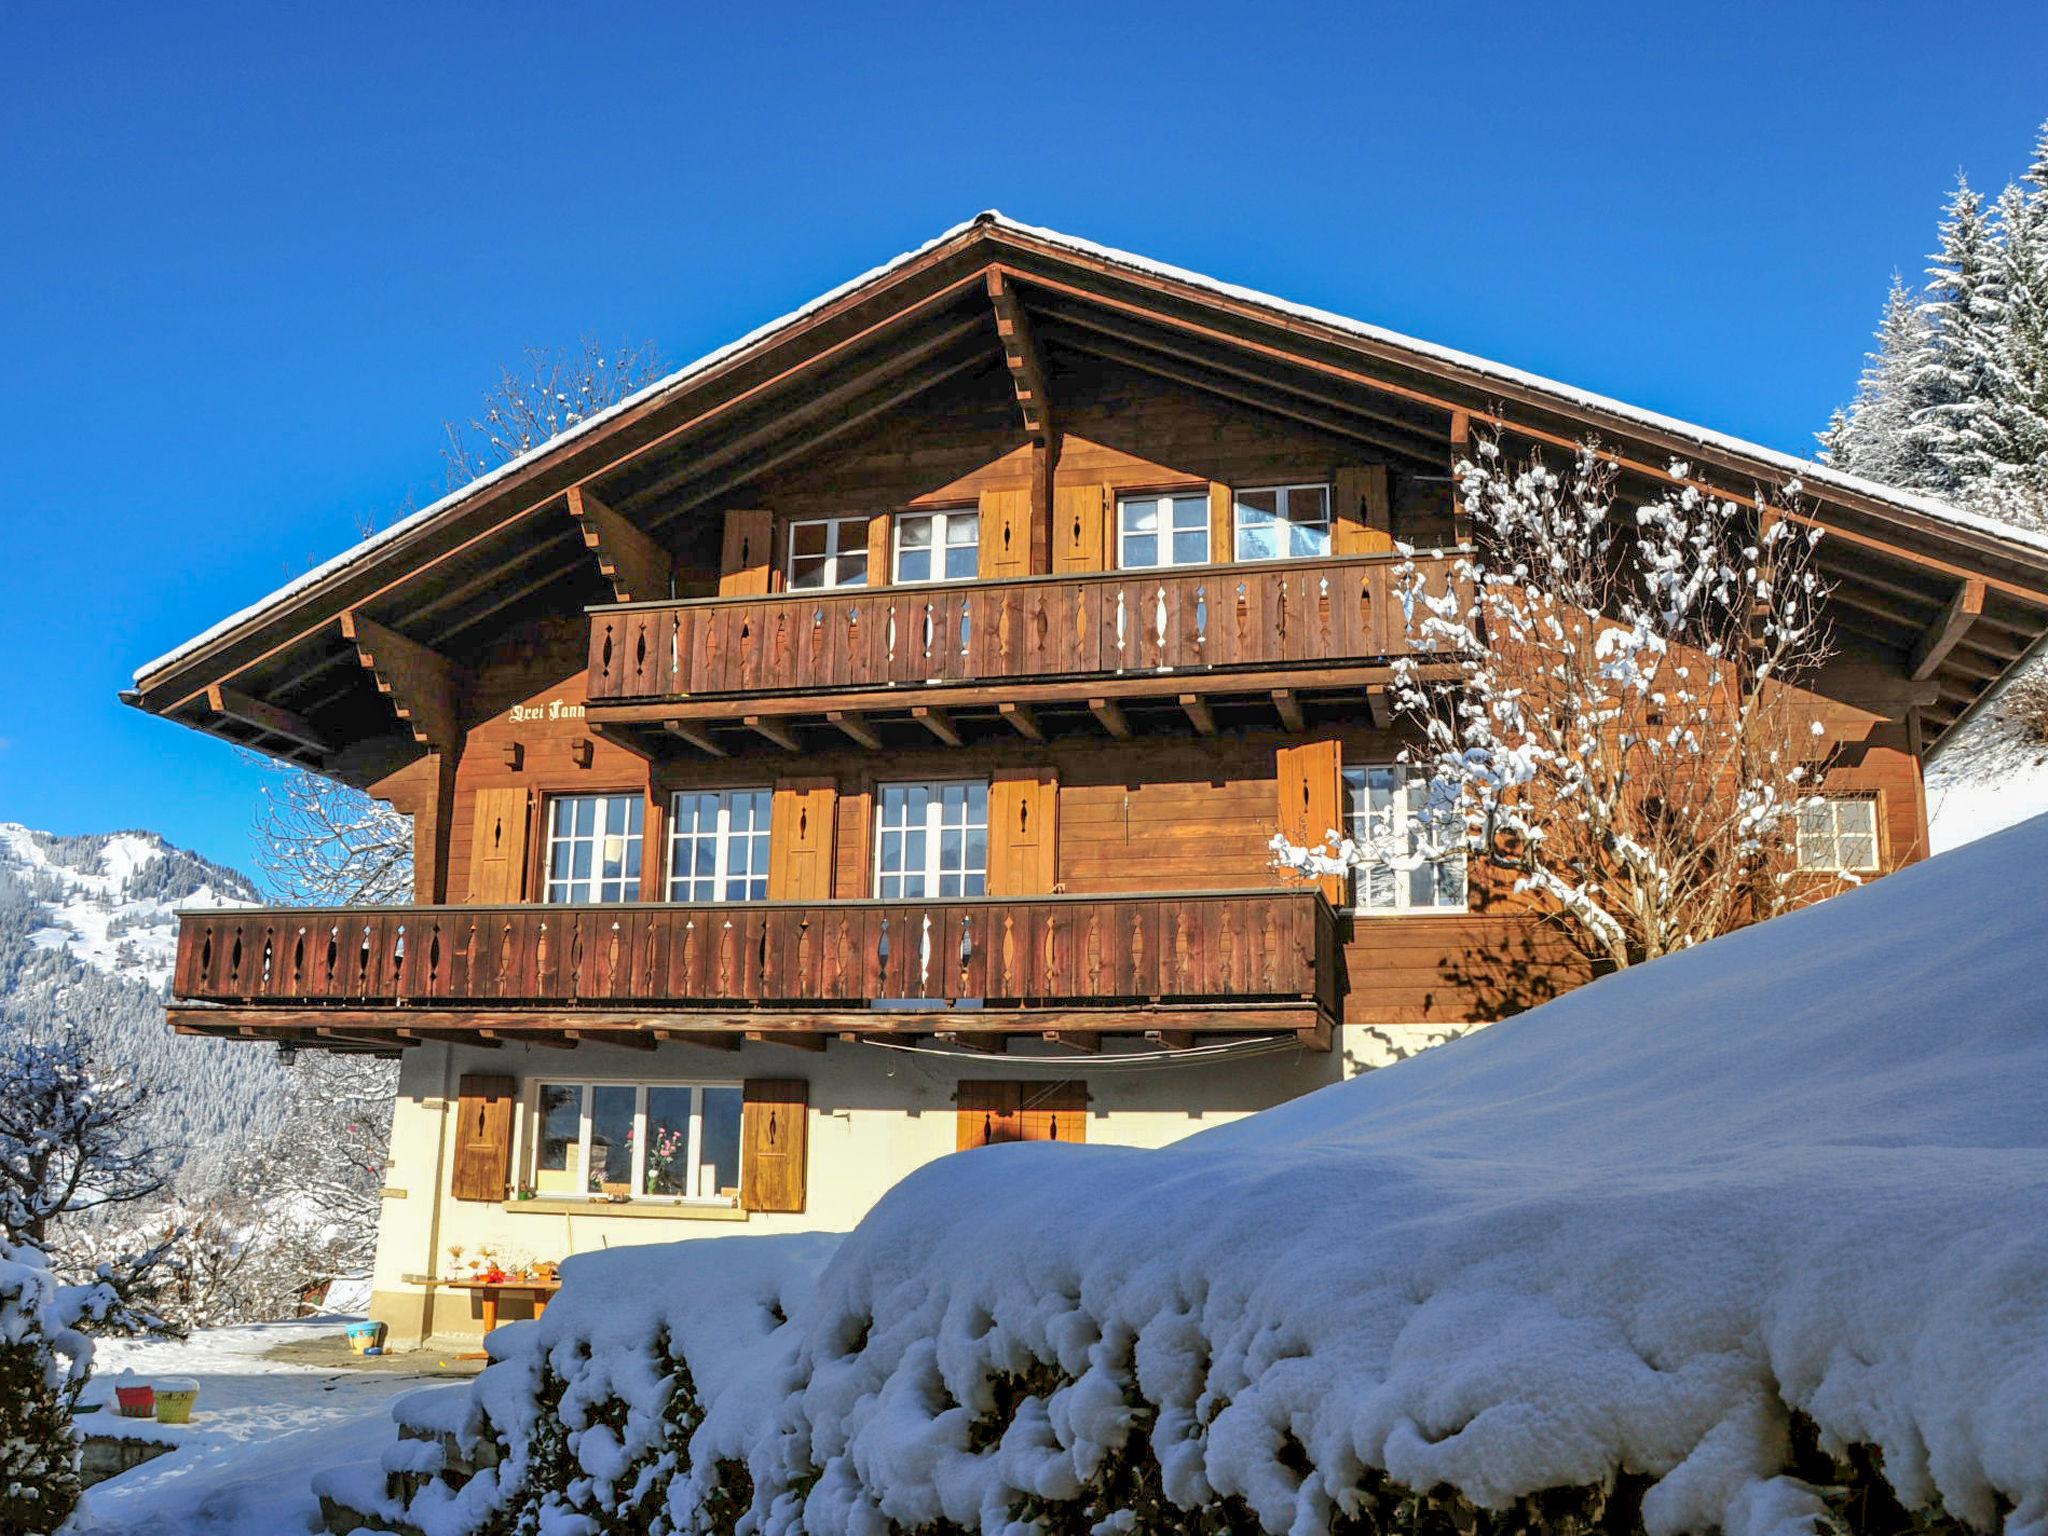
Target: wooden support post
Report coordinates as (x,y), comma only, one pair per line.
(267,718)
(938,722)
(795,1039)
(1963,610)
(774,730)
(1199,714)
(1379,708)
(1290,709)
(856,728)
(1316,1037)
(422,684)
(1024,719)
(696,735)
(1110,716)
(639,569)
(1461,443)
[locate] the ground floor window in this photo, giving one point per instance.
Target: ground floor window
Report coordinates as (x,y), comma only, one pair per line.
(1416,867)
(1839,832)
(593,848)
(659,1141)
(932,839)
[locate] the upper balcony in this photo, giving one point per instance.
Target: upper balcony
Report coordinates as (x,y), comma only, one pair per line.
(1182,641)
(1070,967)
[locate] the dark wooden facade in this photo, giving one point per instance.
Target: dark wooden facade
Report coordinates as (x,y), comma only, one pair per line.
(613,615)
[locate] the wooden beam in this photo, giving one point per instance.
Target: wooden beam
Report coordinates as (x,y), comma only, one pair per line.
(547,1039)
(268,718)
(705,1039)
(855,727)
(696,736)
(1289,706)
(630,1039)
(1199,714)
(1171,1039)
(1110,716)
(639,569)
(1317,1036)
(621,736)
(1023,718)
(452,1037)
(938,722)
(1085,1041)
(960,1040)
(1026,361)
(1941,636)
(795,1039)
(774,730)
(1379,708)
(421,683)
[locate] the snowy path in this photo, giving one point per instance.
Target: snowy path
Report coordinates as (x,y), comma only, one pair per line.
(260,1430)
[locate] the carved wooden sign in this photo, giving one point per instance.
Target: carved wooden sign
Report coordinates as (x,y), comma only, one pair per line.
(554,709)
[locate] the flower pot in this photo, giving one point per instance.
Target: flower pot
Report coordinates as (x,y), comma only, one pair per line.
(174,1398)
(361,1336)
(135,1402)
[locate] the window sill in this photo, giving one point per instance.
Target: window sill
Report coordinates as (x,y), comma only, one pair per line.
(641,1209)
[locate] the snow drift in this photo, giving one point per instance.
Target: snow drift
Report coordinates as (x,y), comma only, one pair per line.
(1801,1168)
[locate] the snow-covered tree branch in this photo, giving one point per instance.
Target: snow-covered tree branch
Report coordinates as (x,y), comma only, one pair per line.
(548,391)
(1607,704)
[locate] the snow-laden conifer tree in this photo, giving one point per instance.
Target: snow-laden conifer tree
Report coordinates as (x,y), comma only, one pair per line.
(1874,436)
(1957,426)
(1609,707)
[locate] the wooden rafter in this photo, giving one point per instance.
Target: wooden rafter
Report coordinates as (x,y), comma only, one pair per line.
(1026,361)
(638,568)
(1023,719)
(422,684)
(1289,707)
(267,718)
(1110,716)
(1941,636)
(1199,714)
(938,722)
(696,735)
(770,729)
(855,728)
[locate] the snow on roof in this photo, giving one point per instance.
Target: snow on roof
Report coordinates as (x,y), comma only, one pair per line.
(1806,469)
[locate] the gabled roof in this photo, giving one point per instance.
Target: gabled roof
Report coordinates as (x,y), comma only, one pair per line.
(923,317)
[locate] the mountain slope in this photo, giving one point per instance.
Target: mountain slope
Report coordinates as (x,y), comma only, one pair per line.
(87,937)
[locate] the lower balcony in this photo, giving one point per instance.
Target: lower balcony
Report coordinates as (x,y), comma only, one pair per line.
(974,970)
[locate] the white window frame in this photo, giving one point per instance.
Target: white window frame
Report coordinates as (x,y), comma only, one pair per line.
(1834,864)
(721,837)
(1357,809)
(554,846)
(1284,498)
(530,1165)
(934,825)
(834,548)
(943,521)
(1163,502)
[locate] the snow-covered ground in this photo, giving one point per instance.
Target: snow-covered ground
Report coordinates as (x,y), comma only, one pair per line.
(259,1430)
(1992,772)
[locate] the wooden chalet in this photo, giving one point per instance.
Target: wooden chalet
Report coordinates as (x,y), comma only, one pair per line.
(866,742)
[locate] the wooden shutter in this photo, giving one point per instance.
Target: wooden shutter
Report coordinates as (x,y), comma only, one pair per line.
(800,840)
(748,556)
(880,567)
(497,850)
(1362,517)
(1311,778)
(483,1137)
(774,1133)
(1023,832)
(1080,528)
(1222,524)
(1055,1111)
(1005,534)
(988,1113)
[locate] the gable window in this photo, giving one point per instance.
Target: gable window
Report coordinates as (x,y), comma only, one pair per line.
(718,845)
(1283,522)
(1839,832)
(655,1141)
(1162,530)
(593,847)
(932,839)
(938,546)
(828,552)
(1420,867)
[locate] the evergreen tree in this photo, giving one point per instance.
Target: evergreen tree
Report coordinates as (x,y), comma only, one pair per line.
(1956,426)
(1874,437)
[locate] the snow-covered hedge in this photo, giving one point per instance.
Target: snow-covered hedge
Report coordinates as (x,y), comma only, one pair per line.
(1751,1239)
(43,1362)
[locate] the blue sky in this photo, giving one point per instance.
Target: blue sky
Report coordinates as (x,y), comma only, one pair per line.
(255,255)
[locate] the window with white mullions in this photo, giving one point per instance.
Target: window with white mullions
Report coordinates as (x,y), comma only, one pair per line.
(593,847)
(1283,522)
(828,552)
(938,546)
(656,1141)
(1156,531)
(718,845)
(932,839)
(1839,832)
(1411,864)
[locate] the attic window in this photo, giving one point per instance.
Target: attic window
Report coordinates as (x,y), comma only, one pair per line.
(828,552)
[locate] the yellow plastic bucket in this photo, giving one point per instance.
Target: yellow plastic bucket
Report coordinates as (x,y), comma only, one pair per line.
(174,1398)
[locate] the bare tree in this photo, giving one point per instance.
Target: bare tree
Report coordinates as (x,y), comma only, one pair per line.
(550,390)
(321,843)
(1609,705)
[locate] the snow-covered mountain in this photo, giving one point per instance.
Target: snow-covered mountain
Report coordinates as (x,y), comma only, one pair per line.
(87,936)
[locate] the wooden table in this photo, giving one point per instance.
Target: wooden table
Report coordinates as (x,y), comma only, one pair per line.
(490,1290)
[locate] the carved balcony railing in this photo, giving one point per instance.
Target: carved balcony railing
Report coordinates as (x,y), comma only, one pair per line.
(1050,952)
(1273,616)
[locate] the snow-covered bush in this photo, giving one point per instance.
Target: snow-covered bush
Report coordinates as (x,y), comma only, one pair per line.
(1776,1266)
(43,1364)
